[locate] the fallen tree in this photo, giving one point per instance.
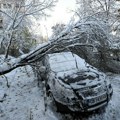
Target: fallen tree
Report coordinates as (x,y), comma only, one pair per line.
(86,36)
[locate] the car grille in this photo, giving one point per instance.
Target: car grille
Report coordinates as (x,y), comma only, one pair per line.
(93,95)
(92,91)
(97,99)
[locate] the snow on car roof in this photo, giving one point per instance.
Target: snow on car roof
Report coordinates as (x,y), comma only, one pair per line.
(66,61)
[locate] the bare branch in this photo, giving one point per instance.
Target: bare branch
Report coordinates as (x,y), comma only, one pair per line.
(5,13)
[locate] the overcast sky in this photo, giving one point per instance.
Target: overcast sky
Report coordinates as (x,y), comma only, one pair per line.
(62,14)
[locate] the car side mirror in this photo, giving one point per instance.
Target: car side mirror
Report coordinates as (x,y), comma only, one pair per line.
(42,69)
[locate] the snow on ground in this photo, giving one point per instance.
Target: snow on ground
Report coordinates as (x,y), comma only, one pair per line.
(24,100)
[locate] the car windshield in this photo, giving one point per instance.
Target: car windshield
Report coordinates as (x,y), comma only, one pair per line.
(63,62)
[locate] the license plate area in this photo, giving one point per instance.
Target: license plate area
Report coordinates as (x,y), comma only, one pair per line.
(96,100)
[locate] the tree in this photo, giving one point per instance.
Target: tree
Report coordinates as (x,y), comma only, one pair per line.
(104,10)
(88,35)
(57,29)
(66,40)
(19,19)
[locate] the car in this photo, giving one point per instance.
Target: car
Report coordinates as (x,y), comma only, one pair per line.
(75,85)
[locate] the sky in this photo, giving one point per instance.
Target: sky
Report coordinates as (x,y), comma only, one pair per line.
(62,13)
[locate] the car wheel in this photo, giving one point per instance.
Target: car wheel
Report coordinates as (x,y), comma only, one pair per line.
(51,101)
(101,110)
(62,108)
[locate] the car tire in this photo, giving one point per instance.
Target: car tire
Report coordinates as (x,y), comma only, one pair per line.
(62,108)
(101,110)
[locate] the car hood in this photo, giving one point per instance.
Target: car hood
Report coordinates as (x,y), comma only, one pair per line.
(83,79)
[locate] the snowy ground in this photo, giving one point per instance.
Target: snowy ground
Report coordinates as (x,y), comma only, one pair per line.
(24,100)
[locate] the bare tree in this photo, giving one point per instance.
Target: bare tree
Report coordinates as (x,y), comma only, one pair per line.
(104,10)
(18,17)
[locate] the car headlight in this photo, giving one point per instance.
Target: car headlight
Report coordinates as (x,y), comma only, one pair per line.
(108,85)
(109,88)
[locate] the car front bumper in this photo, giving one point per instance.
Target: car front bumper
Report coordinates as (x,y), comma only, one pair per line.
(97,102)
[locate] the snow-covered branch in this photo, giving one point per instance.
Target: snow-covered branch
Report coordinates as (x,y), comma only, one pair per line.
(67,39)
(17,20)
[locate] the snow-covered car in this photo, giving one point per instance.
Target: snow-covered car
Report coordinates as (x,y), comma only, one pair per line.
(75,85)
